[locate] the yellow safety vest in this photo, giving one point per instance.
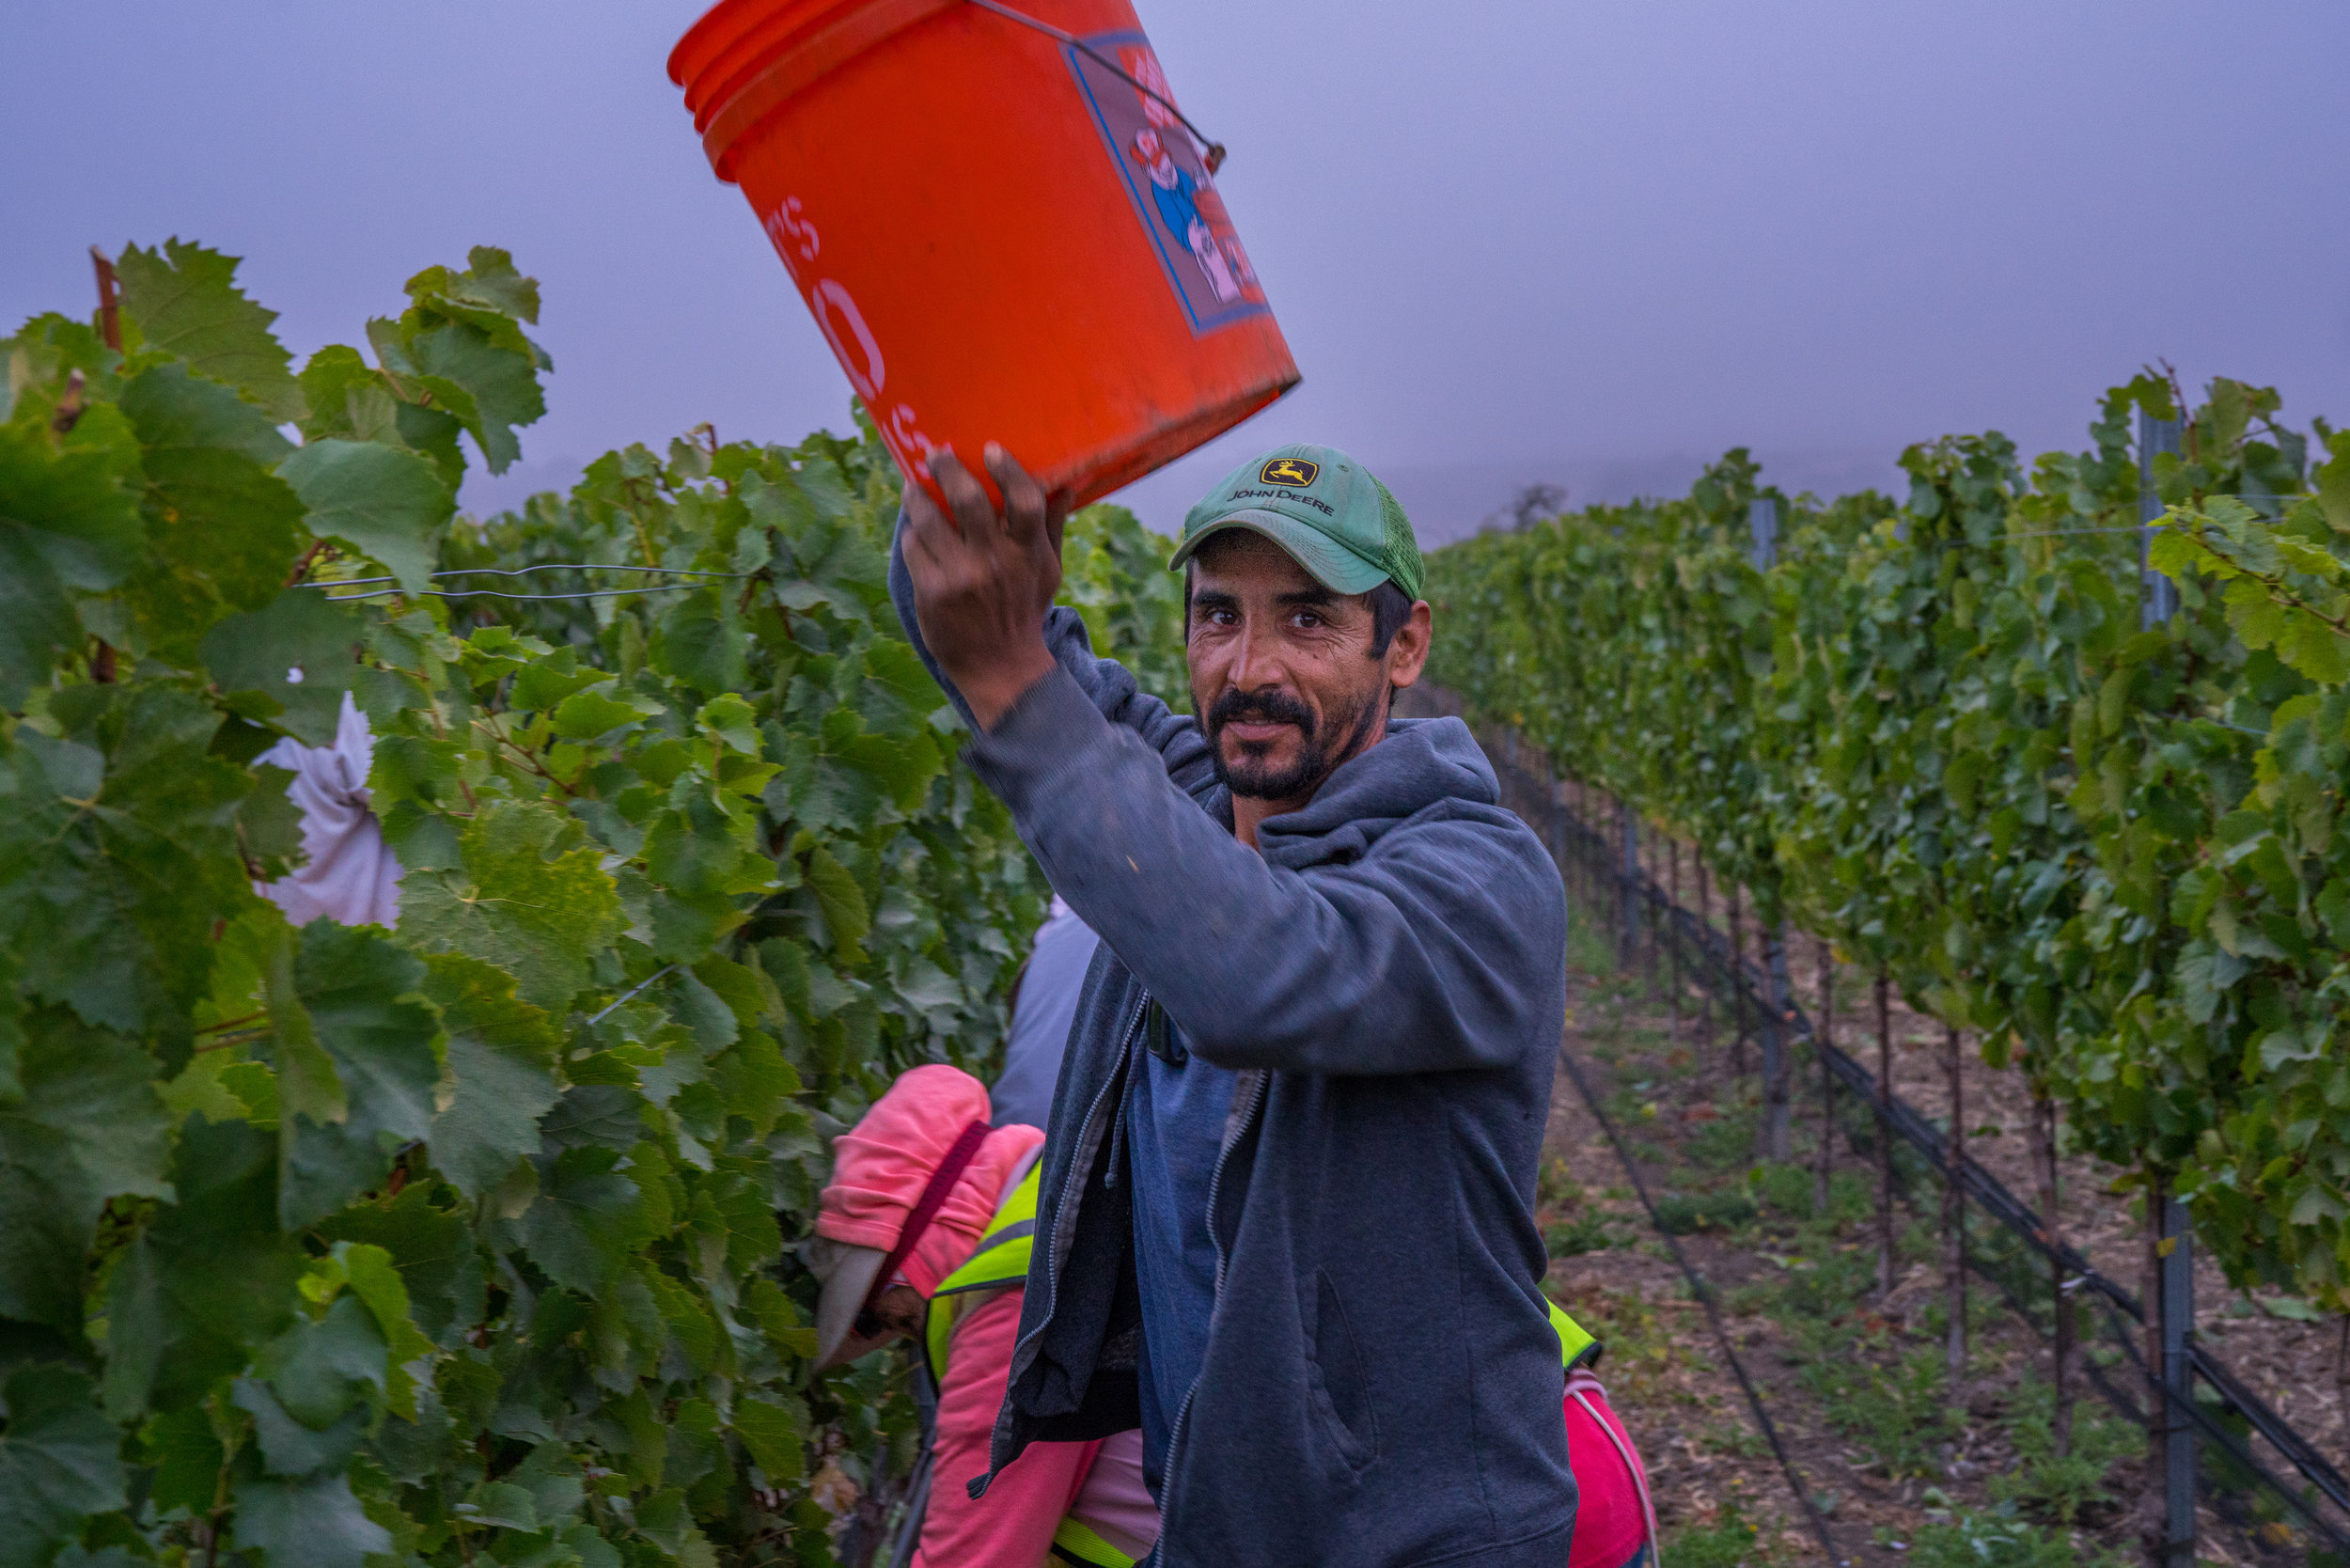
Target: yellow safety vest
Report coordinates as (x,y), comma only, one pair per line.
(1575,1343)
(1002,1259)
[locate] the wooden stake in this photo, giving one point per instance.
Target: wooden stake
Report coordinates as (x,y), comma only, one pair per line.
(109,308)
(2043,1114)
(1825,957)
(2158,1408)
(1706,920)
(101,664)
(1672,930)
(2342,1380)
(1738,981)
(1954,1214)
(1885,1134)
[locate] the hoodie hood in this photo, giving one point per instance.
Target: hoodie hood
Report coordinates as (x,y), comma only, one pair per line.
(1418,764)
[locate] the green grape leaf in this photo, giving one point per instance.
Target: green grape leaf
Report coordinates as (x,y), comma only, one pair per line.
(127,801)
(179,416)
(288,1448)
(186,303)
(842,901)
(210,1277)
(348,397)
(369,1274)
(308,1082)
(580,1228)
(598,715)
(318,1368)
(501,384)
(489,286)
(313,1523)
(224,528)
(668,1521)
(85,1125)
(268,821)
(434,1249)
(387,504)
(60,1462)
(299,632)
(544,684)
(776,1436)
(37,627)
(357,988)
(699,640)
(524,900)
(731,720)
(188,1459)
(502,1053)
(78,507)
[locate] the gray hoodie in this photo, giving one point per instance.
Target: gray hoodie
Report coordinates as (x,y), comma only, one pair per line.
(1381,1385)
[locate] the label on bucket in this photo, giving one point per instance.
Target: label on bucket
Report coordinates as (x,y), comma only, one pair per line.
(1174,195)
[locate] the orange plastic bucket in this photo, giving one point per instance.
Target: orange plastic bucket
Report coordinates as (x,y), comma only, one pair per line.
(1002,238)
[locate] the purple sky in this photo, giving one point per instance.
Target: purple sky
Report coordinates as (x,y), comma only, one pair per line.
(1508,241)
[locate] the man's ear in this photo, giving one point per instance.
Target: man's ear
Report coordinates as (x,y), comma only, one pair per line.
(1407,655)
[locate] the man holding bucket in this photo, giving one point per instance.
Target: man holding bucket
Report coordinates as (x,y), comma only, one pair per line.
(1285,1214)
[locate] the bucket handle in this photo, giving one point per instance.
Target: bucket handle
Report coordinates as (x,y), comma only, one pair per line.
(1212,153)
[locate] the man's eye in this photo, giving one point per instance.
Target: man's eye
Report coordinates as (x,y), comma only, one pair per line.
(1307,620)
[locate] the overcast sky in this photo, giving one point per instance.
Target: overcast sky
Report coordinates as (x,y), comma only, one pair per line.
(1510,241)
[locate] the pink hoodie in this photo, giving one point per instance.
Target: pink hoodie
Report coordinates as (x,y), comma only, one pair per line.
(880,1170)
(880,1166)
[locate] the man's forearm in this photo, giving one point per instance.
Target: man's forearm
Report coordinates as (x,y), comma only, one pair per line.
(1379,967)
(1106,683)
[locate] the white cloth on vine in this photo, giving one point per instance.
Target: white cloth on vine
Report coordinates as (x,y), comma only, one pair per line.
(351,877)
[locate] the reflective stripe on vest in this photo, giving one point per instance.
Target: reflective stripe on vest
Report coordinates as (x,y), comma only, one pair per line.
(1575,1345)
(1073,1542)
(1000,1259)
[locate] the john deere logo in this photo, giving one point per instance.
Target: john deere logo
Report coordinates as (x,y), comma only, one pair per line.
(1295,472)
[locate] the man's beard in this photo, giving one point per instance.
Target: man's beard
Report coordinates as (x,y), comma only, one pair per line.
(1256,779)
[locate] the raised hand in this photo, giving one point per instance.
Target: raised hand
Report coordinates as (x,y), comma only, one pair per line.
(983,579)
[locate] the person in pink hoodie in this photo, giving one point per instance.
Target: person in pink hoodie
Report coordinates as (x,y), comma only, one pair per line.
(916,1186)
(921,1187)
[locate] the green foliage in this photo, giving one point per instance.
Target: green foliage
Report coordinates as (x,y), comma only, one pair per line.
(1894,1409)
(2055,1486)
(1684,1214)
(1114,573)
(1993,1538)
(1728,1540)
(1934,731)
(468,1241)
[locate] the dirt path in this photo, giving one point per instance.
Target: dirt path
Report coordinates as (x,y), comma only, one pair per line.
(1903,1471)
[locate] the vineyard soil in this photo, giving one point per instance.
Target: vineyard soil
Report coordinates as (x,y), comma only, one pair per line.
(2287,1357)
(1882,1463)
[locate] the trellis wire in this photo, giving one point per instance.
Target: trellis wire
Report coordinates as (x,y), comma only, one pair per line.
(704,580)
(1719,971)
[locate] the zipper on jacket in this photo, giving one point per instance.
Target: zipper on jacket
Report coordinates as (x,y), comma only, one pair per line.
(1065,1221)
(1235,1128)
(1057,1244)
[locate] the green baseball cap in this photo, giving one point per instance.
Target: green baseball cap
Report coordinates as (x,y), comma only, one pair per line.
(1325,509)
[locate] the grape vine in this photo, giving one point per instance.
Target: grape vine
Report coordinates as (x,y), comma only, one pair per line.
(468,1241)
(1934,731)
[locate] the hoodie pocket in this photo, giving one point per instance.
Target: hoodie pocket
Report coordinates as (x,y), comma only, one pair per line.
(1339,1379)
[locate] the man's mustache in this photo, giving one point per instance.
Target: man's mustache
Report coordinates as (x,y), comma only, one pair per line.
(1271,706)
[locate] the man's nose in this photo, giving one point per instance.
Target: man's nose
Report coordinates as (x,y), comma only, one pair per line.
(1256,660)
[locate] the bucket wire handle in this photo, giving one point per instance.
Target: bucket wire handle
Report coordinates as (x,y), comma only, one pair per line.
(1212,153)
